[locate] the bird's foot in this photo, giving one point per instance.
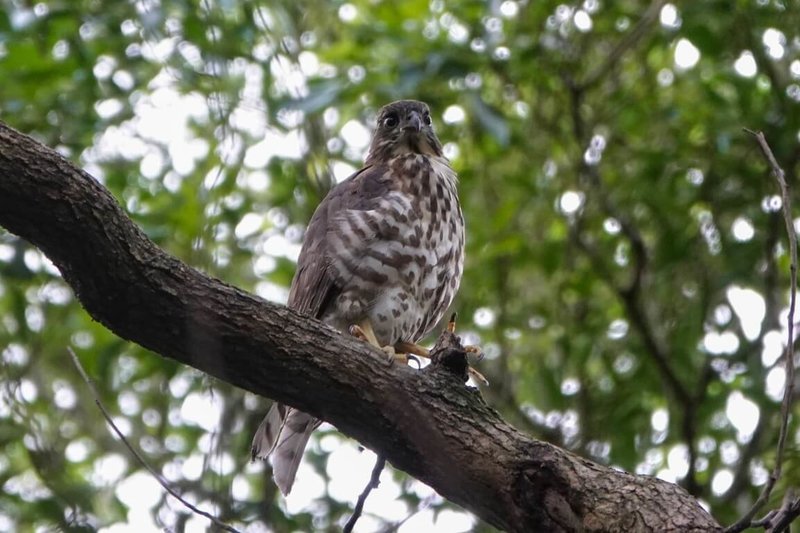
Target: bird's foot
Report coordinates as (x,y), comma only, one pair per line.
(477,376)
(365,333)
(412,348)
(404,357)
(474,353)
(404,351)
(408,351)
(392,355)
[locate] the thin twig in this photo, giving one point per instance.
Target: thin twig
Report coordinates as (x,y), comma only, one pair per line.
(424,505)
(778,520)
(741,479)
(374,481)
(139,458)
(782,519)
(788,390)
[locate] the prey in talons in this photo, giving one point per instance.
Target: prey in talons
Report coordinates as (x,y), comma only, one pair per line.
(416,349)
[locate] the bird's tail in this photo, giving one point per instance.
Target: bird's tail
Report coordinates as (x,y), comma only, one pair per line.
(283,434)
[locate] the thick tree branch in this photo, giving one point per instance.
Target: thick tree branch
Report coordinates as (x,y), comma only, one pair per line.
(426,423)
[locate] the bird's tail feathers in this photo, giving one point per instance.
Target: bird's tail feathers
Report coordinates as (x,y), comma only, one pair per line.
(283,434)
(268,431)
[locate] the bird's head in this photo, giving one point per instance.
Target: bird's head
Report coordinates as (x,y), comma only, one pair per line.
(404,127)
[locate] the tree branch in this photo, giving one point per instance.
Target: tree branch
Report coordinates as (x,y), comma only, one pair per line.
(158,477)
(374,481)
(788,388)
(626,43)
(426,423)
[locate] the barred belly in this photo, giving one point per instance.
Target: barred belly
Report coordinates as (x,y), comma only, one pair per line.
(400,263)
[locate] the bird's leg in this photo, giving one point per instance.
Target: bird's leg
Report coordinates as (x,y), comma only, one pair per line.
(408,350)
(363,330)
(412,348)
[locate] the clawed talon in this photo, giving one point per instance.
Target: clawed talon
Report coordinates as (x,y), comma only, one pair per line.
(415,359)
(475,351)
(401,357)
(364,334)
(477,376)
(391,355)
(405,351)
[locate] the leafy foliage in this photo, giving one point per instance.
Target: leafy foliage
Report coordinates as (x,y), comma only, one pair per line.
(626,268)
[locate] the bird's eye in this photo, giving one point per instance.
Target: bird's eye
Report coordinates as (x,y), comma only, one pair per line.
(390,121)
(427,119)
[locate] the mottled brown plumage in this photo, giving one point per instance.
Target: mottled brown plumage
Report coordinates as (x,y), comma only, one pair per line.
(384,251)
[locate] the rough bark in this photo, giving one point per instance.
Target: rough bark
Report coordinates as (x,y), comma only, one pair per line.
(427,423)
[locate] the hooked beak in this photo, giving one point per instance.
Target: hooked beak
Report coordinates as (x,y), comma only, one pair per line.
(413,122)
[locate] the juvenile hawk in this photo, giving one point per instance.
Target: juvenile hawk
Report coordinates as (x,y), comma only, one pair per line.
(383,254)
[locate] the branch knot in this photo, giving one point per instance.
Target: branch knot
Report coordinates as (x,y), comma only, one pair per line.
(449,354)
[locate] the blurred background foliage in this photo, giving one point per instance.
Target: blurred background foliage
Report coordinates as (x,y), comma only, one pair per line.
(627,265)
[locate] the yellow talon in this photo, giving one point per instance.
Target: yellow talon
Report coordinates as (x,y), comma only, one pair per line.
(403,351)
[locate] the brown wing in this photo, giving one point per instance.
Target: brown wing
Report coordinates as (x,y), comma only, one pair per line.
(285,430)
(313,286)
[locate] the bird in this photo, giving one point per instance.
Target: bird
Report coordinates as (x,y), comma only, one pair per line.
(381,259)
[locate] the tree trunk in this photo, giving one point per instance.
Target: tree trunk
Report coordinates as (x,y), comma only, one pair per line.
(427,423)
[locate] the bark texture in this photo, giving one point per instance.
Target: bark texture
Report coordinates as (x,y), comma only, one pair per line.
(427,423)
